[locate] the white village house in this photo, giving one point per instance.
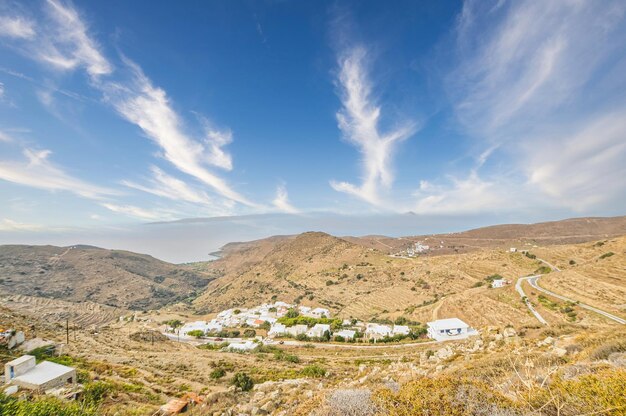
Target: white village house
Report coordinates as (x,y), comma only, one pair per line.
(449,329)
(277,330)
(296,330)
(203,326)
(377,331)
(499,283)
(346,334)
(317,331)
(401,330)
(26,373)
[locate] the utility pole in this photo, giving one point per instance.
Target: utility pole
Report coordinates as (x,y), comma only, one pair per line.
(67,331)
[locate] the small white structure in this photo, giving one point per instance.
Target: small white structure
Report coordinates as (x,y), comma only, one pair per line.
(499,283)
(401,330)
(277,330)
(512,250)
(200,326)
(25,373)
(320,313)
(377,331)
(243,346)
(296,330)
(346,334)
(318,330)
(449,329)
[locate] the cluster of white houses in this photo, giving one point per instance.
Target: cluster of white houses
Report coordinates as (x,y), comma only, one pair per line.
(253,317)
(441,330)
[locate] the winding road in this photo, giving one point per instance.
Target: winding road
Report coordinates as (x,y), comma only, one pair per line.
(534,282)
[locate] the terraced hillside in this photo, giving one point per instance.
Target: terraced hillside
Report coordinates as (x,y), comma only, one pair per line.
(593,273)
(109,277)
(353,281)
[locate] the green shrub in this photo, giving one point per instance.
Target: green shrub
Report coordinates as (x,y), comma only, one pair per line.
(605,255)
(196,333)
(313,371)
(217,373)
(243,381)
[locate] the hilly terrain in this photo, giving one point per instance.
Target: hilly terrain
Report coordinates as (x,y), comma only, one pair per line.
(113,278)
(354,280)
(568,231)
(573,364)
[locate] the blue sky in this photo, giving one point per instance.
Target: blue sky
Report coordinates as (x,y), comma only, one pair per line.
(123,112)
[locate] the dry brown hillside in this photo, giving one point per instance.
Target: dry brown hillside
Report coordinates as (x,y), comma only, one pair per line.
(82,273)
(353,281)
(569,231)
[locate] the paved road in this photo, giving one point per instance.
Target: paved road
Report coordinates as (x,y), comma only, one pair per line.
(534,282)
(518,287)
(195,341)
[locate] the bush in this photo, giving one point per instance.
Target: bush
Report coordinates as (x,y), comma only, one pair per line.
(605,255)
(313,371)
(588,394)
(217,373)
(572,262)
(243,381)
(442,396)
(603,352)
(292,313)
(249,333)
(196,333)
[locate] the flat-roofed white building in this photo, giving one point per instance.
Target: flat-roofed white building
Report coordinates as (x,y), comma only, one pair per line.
(400,330)
(318,330)
(377,331)
(449,329)
(296,330)
(277,330)
(346,334)
(243,346)
(499,283)
(25,373)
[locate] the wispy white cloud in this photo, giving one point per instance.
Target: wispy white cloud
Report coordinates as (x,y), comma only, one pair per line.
(167,186)
(5,137)
(359,120)
(7,224)
(38,171)
(537,82)
(149,108)
(68,45)
(584,168)
(64,43)
(136,212)
(282,201)
(17,27)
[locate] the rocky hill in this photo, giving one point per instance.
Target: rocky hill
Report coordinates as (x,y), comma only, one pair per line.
(84,273)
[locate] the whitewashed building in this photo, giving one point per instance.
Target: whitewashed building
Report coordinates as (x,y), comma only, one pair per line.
(318,330)
(199,326)
(400,330)
(346,334)
(449,329)
(277,330)
(296,330)
(377,331)
(499,283)
(24,372)
(242,346)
